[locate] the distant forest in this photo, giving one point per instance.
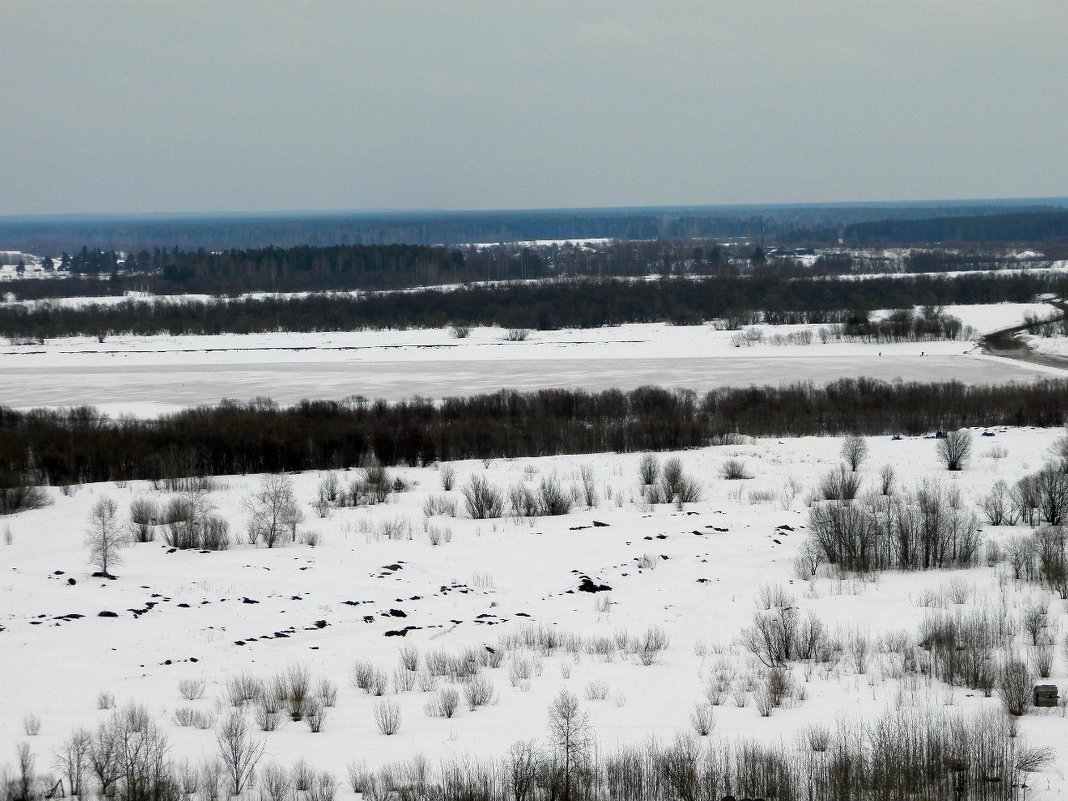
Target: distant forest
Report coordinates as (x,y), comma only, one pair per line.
(580,303)
(1034,227)
(80,445)
(787,224)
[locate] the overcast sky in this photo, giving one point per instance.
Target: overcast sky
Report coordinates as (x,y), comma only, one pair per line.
(260,106)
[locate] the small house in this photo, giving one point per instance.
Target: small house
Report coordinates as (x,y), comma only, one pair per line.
(1045,695)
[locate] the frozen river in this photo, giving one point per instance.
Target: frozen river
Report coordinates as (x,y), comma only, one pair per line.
(152,388)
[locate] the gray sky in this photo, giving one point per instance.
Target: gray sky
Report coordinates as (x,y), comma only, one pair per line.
(258,106)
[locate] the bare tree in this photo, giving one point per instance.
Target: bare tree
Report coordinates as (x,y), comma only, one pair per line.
(1052,489)
(238,750)
(521,769)
(71,759)
(854,452)
(104,760)
(570,733)
(104,536)
(272,509)
(955,448)
(772,637)
(141,755)
(25,780)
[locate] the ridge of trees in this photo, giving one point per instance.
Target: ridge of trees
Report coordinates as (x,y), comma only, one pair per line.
(585,303)
(79,445)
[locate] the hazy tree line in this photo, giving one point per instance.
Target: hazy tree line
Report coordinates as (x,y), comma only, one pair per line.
(788,224)
(62,447)
(587,303)
(1017,227)
(305,268)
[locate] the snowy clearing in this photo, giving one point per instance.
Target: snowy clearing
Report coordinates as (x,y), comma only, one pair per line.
(695,573)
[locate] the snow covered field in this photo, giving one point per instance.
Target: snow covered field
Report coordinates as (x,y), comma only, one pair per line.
(695,574)
(149,375)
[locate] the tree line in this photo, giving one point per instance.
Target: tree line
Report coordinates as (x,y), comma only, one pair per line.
(79,445)
(786,223)
(589,303)
(1034,226)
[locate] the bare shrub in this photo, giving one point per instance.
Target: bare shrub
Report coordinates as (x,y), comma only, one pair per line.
(215,533)
(816,738)
(105,700)
(403,680)
(447,476)
(1035,619)
(409,657)
(275,783)
(457,331)
(651,643)
(323,788)
(242,688)
(268,712)
(315,715)
(997,505)
(703,719)
(589,488)
(361,779)
(195,718)
(772,637)
(762,701)
(675,485)
(954,449)
(439,505)
(1015,686)
(596,690)
(443,704)
(552,499)
(482,499)
(759,496)
(372,484)
(516,334)
(144,514)
(734,470)
(191,689)
(478,691)
(519,671)
(839,485)
(887,479)
(1041,660)
(303,776)
(648,470)
(387,717)
(31,725)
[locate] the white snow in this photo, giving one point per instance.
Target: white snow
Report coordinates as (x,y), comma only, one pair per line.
(701,595)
